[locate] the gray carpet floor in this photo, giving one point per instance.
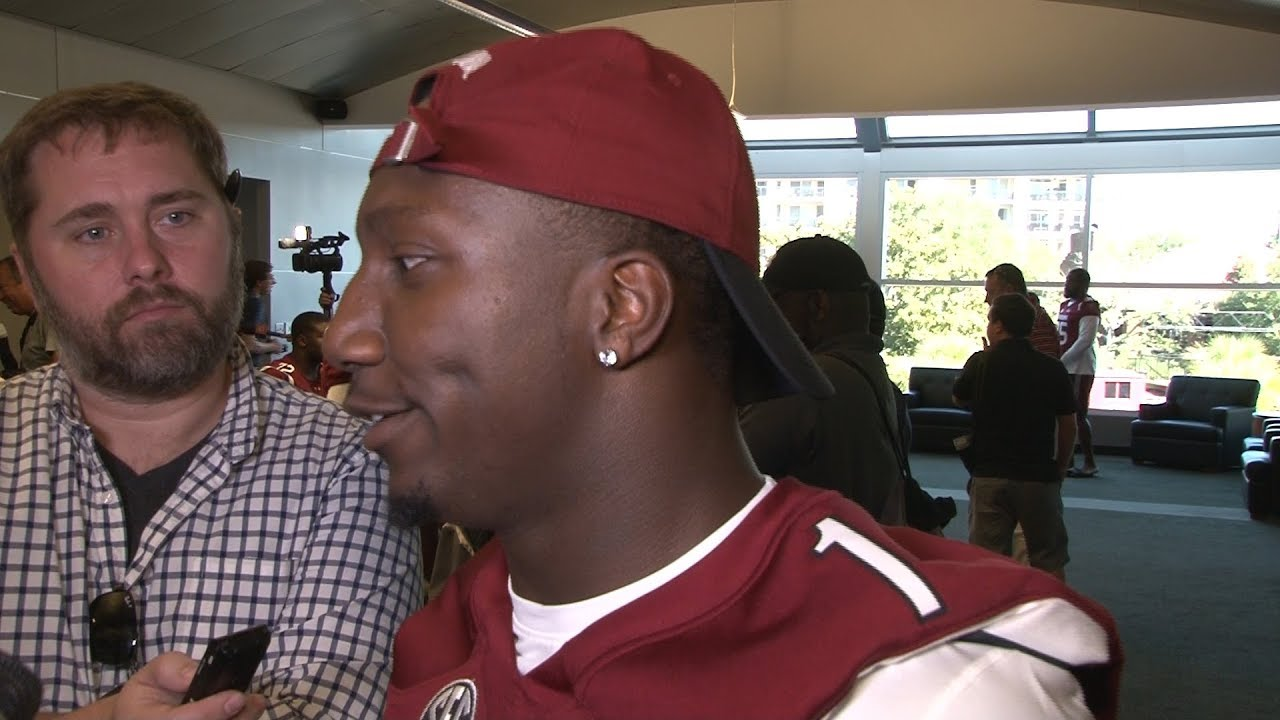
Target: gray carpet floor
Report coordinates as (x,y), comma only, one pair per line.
(1193,583)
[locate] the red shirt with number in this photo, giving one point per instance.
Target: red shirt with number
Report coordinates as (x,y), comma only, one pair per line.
(779,620)
(286,368)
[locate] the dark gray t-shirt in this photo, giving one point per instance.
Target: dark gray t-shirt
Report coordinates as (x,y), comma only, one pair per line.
(143,495)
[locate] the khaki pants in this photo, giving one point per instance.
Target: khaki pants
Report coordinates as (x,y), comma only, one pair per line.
(999,505)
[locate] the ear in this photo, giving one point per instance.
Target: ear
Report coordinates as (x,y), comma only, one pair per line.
(633,301)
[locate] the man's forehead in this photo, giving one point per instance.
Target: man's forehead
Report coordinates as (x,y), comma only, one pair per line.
(74,141)
(408,193)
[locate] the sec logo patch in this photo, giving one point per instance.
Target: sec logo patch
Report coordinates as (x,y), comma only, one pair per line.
(455,701)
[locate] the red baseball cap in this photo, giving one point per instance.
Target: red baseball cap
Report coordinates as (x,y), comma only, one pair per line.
(602,118)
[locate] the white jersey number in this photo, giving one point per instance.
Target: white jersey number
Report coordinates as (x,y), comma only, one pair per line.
(906,581)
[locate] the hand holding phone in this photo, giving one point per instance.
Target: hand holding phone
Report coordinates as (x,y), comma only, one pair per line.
(229,663)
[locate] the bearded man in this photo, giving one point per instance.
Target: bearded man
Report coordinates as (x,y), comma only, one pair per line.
(158,492)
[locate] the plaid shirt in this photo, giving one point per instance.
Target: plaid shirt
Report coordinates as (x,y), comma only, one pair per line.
(280,519)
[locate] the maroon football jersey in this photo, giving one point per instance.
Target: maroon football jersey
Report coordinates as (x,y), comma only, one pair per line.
(776,622)
(1044,336)
(1069,314)
(286,369)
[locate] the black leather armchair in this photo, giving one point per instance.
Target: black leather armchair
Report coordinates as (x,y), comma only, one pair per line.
(1202,423)
(935,420)
(1260,460)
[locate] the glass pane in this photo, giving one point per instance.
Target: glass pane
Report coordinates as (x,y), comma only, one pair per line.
(958,228)
(1203,227)
(1149,335)
(931,327)
(1189,116)
(1146,337)
(1030,123)
(797,207)
(797,128)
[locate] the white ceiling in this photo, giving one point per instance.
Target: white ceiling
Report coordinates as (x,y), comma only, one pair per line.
(336,48)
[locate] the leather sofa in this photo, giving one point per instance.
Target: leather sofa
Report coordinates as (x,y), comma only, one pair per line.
(1201,424)
(1259,461)
(935,420)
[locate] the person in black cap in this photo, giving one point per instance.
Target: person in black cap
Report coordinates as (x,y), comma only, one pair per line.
(848,442)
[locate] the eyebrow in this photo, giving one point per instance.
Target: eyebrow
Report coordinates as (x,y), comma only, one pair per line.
(95,210)
(379,221)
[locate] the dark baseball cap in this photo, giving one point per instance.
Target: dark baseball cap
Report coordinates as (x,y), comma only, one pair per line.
(817,263)
(602,118)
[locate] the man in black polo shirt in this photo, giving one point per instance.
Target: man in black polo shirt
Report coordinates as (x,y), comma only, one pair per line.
(1017,395)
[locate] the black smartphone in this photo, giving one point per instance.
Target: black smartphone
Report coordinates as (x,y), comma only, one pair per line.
(229,663)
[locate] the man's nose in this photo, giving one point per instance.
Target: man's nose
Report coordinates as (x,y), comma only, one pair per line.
(354,337)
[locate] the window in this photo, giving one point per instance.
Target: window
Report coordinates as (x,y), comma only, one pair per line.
(957,228)
(808,188)
(931,326)
(1189,116)
(1056,189)
(1148,335)
(831,128)
(797,207)
(1186,227)
(762,187)
(1118,390)
(1026,123)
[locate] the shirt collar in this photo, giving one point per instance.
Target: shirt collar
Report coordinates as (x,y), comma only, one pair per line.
(239,432)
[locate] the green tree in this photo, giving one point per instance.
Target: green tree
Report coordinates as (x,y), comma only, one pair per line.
(945,237)
(1243,356)
(774,237)
(1266,302)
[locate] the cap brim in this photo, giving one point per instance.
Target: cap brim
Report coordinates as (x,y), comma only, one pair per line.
(791,366)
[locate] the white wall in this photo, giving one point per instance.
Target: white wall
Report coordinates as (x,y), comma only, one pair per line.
(912,56)
(317,173)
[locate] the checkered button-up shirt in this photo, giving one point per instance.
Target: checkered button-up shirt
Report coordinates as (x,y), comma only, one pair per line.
(281,519)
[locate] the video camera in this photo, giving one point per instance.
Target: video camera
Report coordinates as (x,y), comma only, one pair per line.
(313,258)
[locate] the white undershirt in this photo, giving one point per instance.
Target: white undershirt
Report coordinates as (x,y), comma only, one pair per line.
(541,630)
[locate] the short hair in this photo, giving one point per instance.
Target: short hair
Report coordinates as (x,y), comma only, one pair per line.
(715,327)
(1011,276)
(1015,313)
(255,271)
(305,323)
(112,109)
(1083,272)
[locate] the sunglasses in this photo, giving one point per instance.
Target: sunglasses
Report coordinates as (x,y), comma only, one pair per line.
(113,628)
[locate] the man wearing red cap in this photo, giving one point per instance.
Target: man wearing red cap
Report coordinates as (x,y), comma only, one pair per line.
(557,311)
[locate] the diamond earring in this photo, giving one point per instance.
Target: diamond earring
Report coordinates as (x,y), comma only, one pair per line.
(608,357)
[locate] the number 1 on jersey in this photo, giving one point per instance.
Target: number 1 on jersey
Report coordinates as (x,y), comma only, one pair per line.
(906,581)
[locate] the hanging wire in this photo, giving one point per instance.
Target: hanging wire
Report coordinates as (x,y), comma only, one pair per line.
(733,55)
